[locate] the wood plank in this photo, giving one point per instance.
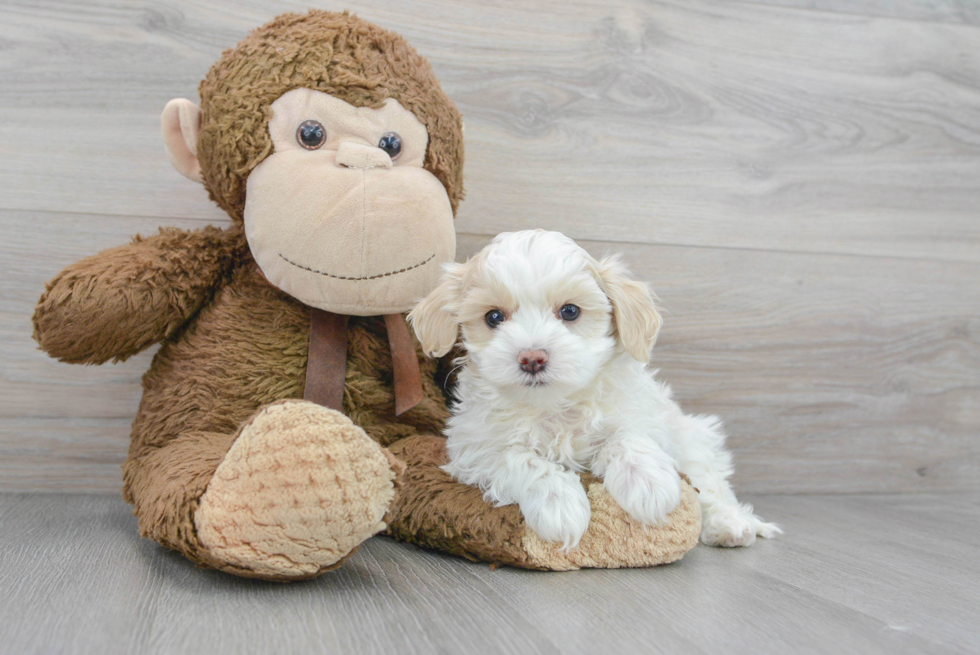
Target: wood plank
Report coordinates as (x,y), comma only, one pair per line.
(80,580)
(734,125)
(791,590)
(390,598)
(66,455)
(85,549)
(77,566)
(957,12)
(898,559)
(833,373)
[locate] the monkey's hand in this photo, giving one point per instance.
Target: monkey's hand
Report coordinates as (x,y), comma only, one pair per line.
(116,303)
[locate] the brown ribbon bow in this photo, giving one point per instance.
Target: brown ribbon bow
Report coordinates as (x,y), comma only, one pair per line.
(326,371)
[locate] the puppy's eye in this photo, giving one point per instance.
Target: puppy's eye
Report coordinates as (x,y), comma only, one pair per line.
(311,134)
(569,312)
(494,318)
(391,143)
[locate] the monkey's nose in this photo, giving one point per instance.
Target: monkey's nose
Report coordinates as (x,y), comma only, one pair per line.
(355,155)
(532,361)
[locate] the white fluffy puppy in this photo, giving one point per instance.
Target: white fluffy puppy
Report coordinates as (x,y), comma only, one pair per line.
(554,381)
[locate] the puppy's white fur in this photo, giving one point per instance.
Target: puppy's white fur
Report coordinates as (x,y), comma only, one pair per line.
(522,437)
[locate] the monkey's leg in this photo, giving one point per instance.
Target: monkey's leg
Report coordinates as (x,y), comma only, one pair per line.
(291,495)
(432,510)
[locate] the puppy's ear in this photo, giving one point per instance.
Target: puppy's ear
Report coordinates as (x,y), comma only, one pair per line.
(434,319)
(634,312)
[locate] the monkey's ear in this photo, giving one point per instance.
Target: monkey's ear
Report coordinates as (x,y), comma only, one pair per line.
(181,124)
(434,319)
(634,312)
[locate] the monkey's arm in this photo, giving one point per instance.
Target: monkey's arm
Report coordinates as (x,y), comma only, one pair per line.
(116,303)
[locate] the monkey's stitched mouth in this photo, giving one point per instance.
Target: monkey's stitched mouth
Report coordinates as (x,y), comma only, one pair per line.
(356,279)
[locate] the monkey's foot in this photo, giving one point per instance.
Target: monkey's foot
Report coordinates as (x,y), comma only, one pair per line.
(300,489)
(435,511)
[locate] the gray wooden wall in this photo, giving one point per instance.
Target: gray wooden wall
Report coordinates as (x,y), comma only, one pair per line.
(798,179)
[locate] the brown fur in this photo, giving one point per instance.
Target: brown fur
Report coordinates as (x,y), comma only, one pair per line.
(467,526)
(338,54)
(232,344)
(245,350)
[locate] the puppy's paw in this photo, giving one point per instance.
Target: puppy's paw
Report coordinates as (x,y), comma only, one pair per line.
(646,486)
(731,526)
(557,508)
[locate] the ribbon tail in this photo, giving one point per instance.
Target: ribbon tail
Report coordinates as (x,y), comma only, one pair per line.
(405,364)
(326,368)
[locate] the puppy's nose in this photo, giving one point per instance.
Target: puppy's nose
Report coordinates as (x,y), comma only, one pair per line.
(532,361)
(355,155)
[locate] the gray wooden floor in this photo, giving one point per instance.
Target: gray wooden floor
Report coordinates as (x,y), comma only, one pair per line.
(853,574)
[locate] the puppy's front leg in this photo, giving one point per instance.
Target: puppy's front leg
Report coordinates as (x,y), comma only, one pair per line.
(555,505)
(639,476)
(551,498)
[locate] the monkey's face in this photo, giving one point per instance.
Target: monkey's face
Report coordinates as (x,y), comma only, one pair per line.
(341,215)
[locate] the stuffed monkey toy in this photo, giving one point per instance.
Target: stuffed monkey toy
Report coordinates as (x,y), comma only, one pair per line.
(289,414)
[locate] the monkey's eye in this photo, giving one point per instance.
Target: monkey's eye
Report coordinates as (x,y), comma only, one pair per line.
(311,134)
(391,143)
(494,318)
(569,312)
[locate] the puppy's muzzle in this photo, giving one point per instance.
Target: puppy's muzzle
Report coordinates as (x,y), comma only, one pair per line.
(532,361)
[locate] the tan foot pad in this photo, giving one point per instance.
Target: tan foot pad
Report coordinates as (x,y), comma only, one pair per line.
(615,540)
(300,489)
(435,511)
